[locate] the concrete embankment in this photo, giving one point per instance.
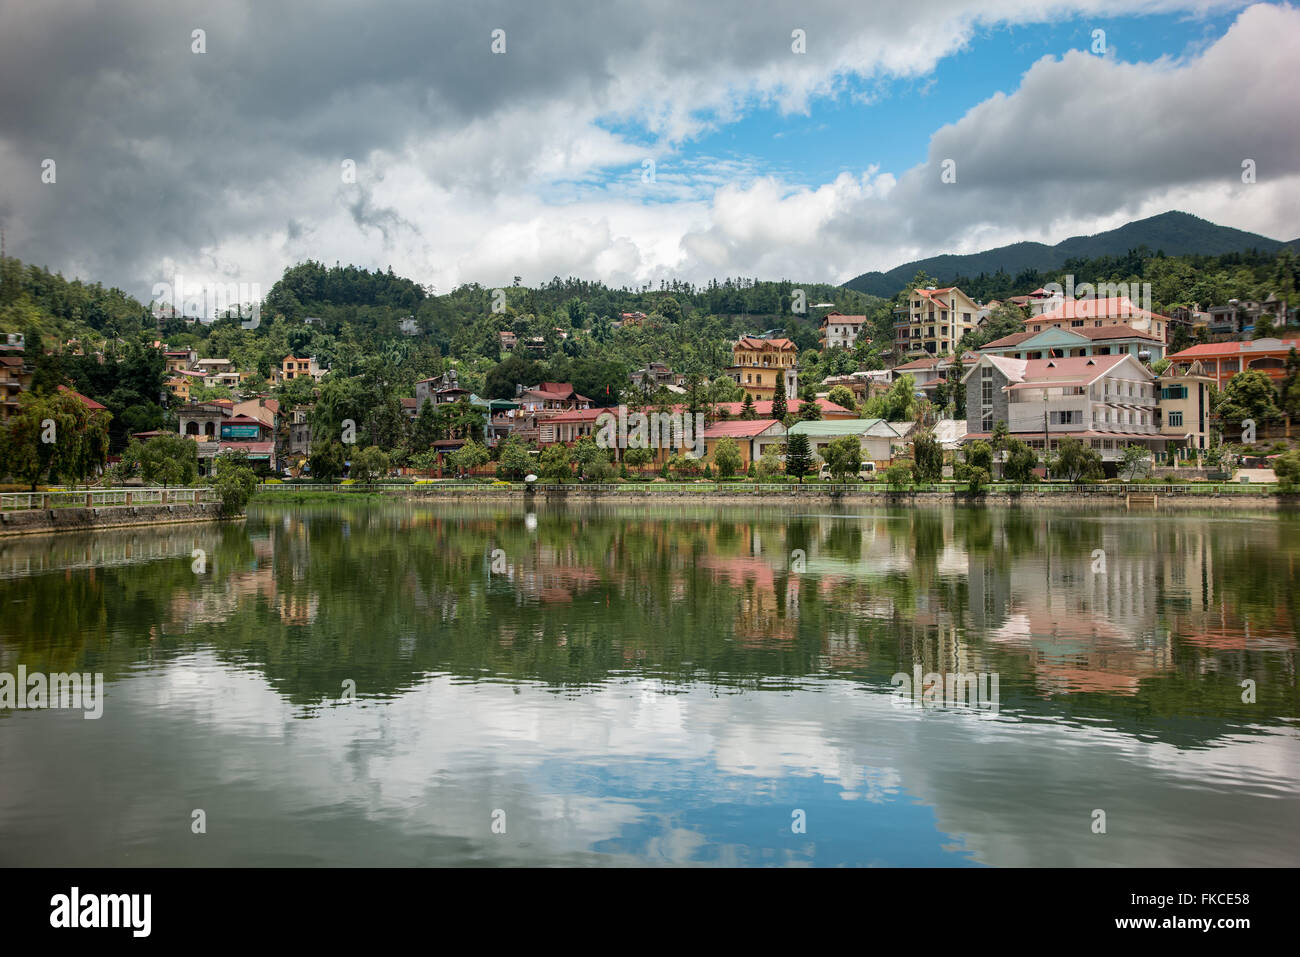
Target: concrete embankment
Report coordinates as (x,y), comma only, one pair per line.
(1134,498)
(43,521)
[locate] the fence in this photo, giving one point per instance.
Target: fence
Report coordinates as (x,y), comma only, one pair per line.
(724,488)
(96,498)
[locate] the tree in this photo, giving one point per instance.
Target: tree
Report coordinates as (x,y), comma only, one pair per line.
(809,411)
(469,456)
(798,456)
(513,460)
(54,436)
(1020,463)
(779,410)
(235,482)
(726,458)
(369,464)
(976,477)
(1287,468)
(170,459)
(1134,461)
(555,463)
(899,475)
(897,404)
(769,464)
(425,430)
(979,455)
(843,396)
(843,457)
(927,458)
(1075,461)
(1248,395)
(638,457)
(999,444)
(326,460)
(593,461)
(747,411)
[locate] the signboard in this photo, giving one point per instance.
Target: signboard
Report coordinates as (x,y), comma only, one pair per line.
(239,431)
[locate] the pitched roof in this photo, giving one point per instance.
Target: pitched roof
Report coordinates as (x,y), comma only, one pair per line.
(1111,307)
(1209,349)
(764,408)
(1090,332)
(753,342)
(89,403)
(740,428)
(833,428)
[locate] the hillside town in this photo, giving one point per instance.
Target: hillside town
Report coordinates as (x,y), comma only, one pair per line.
(1125,390)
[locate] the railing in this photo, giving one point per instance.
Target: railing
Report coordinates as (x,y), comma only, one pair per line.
(100,498)
(811,488)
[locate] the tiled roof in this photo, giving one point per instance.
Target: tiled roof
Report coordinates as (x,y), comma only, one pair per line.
(1234,348)
(739,428)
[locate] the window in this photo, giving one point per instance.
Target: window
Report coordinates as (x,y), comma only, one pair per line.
(986,421)
(1174,392)
(1076,323)
(1176,419)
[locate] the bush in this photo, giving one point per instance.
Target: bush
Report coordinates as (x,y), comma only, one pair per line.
(235,482)
(1287,468)
(899,475)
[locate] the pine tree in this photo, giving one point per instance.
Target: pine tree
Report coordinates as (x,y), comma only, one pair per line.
(798,456)
(779,410)
(747,411)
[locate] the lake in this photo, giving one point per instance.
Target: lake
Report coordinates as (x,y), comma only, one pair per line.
(394,683)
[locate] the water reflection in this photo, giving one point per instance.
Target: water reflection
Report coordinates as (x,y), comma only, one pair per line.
(642,686)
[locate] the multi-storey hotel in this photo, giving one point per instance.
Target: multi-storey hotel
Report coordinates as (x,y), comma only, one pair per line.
(761,366)
(936,319)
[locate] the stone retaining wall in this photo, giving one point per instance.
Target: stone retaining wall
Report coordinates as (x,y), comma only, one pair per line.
(42,521)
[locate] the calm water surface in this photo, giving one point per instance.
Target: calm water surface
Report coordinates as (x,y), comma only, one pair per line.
(657,686)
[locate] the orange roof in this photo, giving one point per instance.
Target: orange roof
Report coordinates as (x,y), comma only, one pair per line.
(1236,347)
(1112,307)
(739,428)
(87,402)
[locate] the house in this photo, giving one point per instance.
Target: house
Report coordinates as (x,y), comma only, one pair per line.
(178,360)
(879,439)
(761,366)
(1056,342)
(508,340)
(934,321)
(839,331)
(1099,313)
(565,428)
(409,327)
(1223,360)
(293,367)
(656,375)
(1109,402)
(1184,411)
(15,379)
(441,389)
(213,366)
(863,385)
(179,386)
(928,372)
(551,397)
(752,438)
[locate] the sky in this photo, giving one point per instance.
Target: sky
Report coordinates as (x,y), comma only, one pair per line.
(626,142)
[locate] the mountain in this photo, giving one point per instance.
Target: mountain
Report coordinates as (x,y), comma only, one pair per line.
(1174,233)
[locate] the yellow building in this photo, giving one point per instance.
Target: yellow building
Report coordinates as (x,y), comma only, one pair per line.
(760,366)
(1184,411)
(936,319)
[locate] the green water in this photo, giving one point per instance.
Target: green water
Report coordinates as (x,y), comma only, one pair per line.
(384,683)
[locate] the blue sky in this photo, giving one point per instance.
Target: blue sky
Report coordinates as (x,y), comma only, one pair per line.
(888,122)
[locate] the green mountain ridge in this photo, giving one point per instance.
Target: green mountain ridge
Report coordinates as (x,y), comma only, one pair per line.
(1173,233)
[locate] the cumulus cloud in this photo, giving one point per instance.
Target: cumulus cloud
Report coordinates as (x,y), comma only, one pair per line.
(473,166)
